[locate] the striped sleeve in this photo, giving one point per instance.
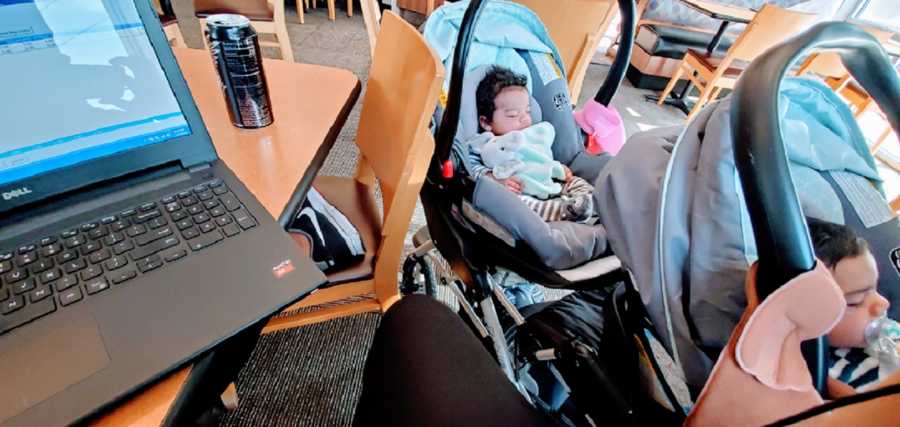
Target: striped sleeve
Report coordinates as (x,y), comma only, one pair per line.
(471,161)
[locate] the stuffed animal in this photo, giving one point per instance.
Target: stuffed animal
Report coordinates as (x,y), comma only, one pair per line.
(527,155)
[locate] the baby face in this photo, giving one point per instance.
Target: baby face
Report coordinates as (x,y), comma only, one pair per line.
(512,111)
(858,277)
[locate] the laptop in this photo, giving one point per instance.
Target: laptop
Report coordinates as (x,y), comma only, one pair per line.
(127,247)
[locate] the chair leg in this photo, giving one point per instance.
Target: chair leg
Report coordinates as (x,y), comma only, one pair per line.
(331,10)
(701,101)
(281,33)
(671,86)
(300,12)
(350,8)
(287,53)
(881,140)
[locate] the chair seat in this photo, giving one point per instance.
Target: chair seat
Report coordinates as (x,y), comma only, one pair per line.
(711,63)
(255,10)
(357,202)
(673,42)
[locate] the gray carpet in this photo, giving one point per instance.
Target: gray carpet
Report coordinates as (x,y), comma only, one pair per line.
(308,376)
(311,376)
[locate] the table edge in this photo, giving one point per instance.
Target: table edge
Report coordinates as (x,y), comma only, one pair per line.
(714,15)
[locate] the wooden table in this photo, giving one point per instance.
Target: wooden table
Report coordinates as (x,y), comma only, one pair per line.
(310,104)
(723,12)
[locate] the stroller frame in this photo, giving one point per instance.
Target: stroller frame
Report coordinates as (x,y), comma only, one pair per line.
(475,290)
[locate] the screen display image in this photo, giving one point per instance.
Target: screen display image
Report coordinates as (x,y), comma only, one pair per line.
(79,80)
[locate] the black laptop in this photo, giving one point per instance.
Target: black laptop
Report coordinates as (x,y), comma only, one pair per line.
(126,247)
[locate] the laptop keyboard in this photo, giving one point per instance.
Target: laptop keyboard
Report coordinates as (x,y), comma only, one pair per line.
(61,270)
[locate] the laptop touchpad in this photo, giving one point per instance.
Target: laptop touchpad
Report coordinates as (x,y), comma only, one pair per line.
(46,359)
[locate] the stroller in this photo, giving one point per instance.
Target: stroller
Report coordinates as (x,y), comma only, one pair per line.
(533,54)
(748,385)
(478,226)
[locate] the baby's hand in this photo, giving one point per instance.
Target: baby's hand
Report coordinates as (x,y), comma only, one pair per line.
(568,173)
(512,183)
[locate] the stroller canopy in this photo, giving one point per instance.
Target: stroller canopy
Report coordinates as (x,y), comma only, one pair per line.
(675,213)
(504,31)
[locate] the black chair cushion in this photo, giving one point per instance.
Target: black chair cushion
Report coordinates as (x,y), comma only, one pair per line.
(673,42)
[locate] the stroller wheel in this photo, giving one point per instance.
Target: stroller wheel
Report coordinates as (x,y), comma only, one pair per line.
(418,276)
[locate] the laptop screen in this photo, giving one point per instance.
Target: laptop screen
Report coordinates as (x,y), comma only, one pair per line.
(80,81)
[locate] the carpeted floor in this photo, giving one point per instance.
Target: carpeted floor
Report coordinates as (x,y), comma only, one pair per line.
(311,376)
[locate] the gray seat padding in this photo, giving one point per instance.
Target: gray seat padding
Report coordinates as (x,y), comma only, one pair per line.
(560,245)
(673,42)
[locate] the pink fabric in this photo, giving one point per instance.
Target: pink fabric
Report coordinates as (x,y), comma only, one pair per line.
(761,376)
(604,127)
(805,308)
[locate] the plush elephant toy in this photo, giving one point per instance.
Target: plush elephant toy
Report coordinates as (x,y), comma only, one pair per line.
(525,154)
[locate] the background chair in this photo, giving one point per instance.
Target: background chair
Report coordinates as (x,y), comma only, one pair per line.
(371,13)
(576,26)
(169,22)
(771,25)
(395,146)
(331,7)
(829,67)
(266,16)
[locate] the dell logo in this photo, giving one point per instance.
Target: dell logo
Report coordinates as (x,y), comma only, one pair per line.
(18,192)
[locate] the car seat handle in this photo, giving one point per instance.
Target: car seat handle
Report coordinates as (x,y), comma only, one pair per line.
(619,66)
(450,121)
(782,238)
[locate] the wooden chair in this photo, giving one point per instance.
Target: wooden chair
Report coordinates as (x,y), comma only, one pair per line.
(331,7)
(371,13)
(169,22)
(576,26)
(771,25)
(829,67)
(266,16)
(395,147)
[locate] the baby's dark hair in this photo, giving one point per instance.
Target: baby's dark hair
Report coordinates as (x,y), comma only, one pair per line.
(496,79)
(834,242)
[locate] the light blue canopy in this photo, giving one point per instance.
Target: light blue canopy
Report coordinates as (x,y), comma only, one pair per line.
(503,29)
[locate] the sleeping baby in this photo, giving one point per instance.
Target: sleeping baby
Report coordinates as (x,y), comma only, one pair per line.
(518,154)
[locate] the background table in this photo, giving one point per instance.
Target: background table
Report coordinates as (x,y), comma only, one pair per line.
(723,12)
(727,14)
(310,104)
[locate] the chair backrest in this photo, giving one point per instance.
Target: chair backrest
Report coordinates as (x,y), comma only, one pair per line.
(576,26)
(372,19)
(394,141)
(829,64)
(770,26)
